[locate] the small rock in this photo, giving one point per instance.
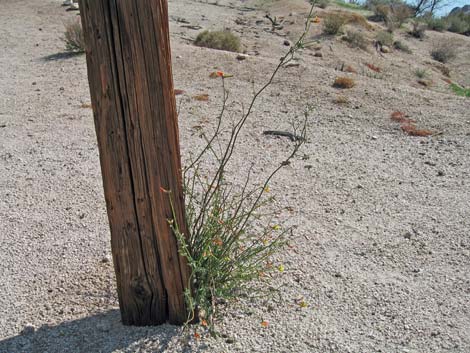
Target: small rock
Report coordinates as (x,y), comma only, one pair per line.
(242,57)
(34,83)
(318,54)
(292,64)
(286,43)
(28,329)
(374,137)
(407,235)
(440,173)
(384,49)
(61,89)
(106,259)
(230,340)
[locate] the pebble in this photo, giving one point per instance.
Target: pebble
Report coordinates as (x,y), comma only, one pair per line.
(318,54)
(286,43)
(242,57)
(106,259)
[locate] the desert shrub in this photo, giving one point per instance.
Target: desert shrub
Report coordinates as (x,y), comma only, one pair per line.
(323,4)
(384,38)
(436,24)
(418,29)
(333,23)
(356,39)
(412,130)
(222,40)
(343,82)
(73,37)
(458,24)
(421,73)
(402,46)
(341,100)
(400,13)
(460,91)
(381,12)
(444,51)
(373,67)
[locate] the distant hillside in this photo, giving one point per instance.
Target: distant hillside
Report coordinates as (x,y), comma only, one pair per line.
(456,10)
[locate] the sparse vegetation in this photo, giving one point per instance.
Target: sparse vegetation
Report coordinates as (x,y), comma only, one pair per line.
(444,51)
(323,4)
(436,24)
(402,46)
(73,37)
(418,29)
(333,23)
(356,39)
(385,38)
(461,91)
(421,73)
(344,82)
(459,24)
(221,40)
(373,67)
(341,100)
(412,130)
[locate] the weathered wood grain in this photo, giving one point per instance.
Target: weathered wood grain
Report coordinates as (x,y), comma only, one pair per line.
(131,85)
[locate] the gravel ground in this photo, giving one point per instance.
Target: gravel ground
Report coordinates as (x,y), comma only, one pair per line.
(381,247)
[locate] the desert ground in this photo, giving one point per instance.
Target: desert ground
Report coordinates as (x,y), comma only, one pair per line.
(380,251)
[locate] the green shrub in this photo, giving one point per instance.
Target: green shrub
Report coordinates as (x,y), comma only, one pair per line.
(461,91)
(458,24)
(436,24)
(356,39)
(444,51)
(73,37)
(221,40)
(333,23)
(385,38)
(402,46)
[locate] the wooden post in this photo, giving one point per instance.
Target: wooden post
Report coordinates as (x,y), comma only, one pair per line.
(131,85)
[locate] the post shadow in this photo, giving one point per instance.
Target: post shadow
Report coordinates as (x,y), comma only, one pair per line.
(103,333)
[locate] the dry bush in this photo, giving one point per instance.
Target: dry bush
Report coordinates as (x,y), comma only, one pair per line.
(402,46)
(418,29)
(373,67)
(202,97)
(344,82)
(352,18)
(341,100)
(385,38)
(221,40)
(333,23)
(457,24)
(425,83)
(400,13)
(421,73)
(444,51)
(412,130)
(381,12)
(73,37)
(400,117)
(356,39)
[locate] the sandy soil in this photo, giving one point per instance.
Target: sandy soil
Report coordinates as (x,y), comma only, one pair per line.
(381,247)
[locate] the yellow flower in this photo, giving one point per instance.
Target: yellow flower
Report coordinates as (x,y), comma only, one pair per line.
(276,227)
(281,268)
(267,189)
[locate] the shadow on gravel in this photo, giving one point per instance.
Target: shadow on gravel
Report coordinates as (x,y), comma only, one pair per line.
(102,333)
(61,56)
